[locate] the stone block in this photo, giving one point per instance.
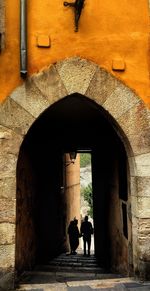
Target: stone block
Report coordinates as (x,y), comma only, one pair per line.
(140,206)
(15,117)
(76,74)
(7,256)
(101,86)
(144,207)
(7,233)
(140,143)
(139,118)
(50,84)
(143,186)
(142,163)
(30,99)
(7,210)
(7,165)
(135,124)
(120,101)
(140,186)
(9,141)
(144,227)
(8,187)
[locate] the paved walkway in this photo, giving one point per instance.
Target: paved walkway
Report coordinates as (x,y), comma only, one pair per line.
(76,273)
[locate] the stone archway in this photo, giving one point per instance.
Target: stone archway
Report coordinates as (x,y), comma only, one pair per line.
(131,122)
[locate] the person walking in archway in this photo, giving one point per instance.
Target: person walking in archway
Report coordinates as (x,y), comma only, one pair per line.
(74,235)
(86,231)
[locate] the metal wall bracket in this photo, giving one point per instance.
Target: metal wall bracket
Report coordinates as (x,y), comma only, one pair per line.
(78,6)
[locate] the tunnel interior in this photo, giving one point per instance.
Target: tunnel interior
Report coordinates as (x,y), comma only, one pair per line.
(73,123)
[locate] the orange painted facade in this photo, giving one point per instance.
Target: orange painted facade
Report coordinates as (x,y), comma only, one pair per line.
(110,32)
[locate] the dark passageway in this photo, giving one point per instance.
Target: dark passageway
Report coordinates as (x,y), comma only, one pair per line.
(74,123)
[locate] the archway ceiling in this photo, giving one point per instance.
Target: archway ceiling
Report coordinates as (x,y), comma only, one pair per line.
(74,122)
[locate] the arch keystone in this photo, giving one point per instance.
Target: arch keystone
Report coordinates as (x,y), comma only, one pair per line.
(76,74)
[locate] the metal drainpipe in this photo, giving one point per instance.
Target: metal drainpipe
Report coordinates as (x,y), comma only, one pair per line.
(23,38)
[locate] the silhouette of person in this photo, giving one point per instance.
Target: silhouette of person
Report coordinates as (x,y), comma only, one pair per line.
(86,231)
(74,235)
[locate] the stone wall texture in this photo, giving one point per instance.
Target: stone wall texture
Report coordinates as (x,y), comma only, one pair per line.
(127,114)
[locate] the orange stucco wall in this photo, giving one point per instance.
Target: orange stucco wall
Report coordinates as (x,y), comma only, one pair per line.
(108,30)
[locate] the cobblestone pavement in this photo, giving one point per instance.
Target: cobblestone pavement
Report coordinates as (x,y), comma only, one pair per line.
(76,273)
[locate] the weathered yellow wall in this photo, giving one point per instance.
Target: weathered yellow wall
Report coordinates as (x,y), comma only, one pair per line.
(108,30)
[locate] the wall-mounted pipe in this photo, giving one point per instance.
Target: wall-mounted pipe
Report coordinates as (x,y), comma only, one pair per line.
(23,38)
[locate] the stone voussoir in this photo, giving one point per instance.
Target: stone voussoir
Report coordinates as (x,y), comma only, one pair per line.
(13,116)
(50,84)
(101,86)
(120,100)
(30,99)
(136,125)
(76,74)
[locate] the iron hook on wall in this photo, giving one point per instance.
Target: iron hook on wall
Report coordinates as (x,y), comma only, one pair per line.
(78,6)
